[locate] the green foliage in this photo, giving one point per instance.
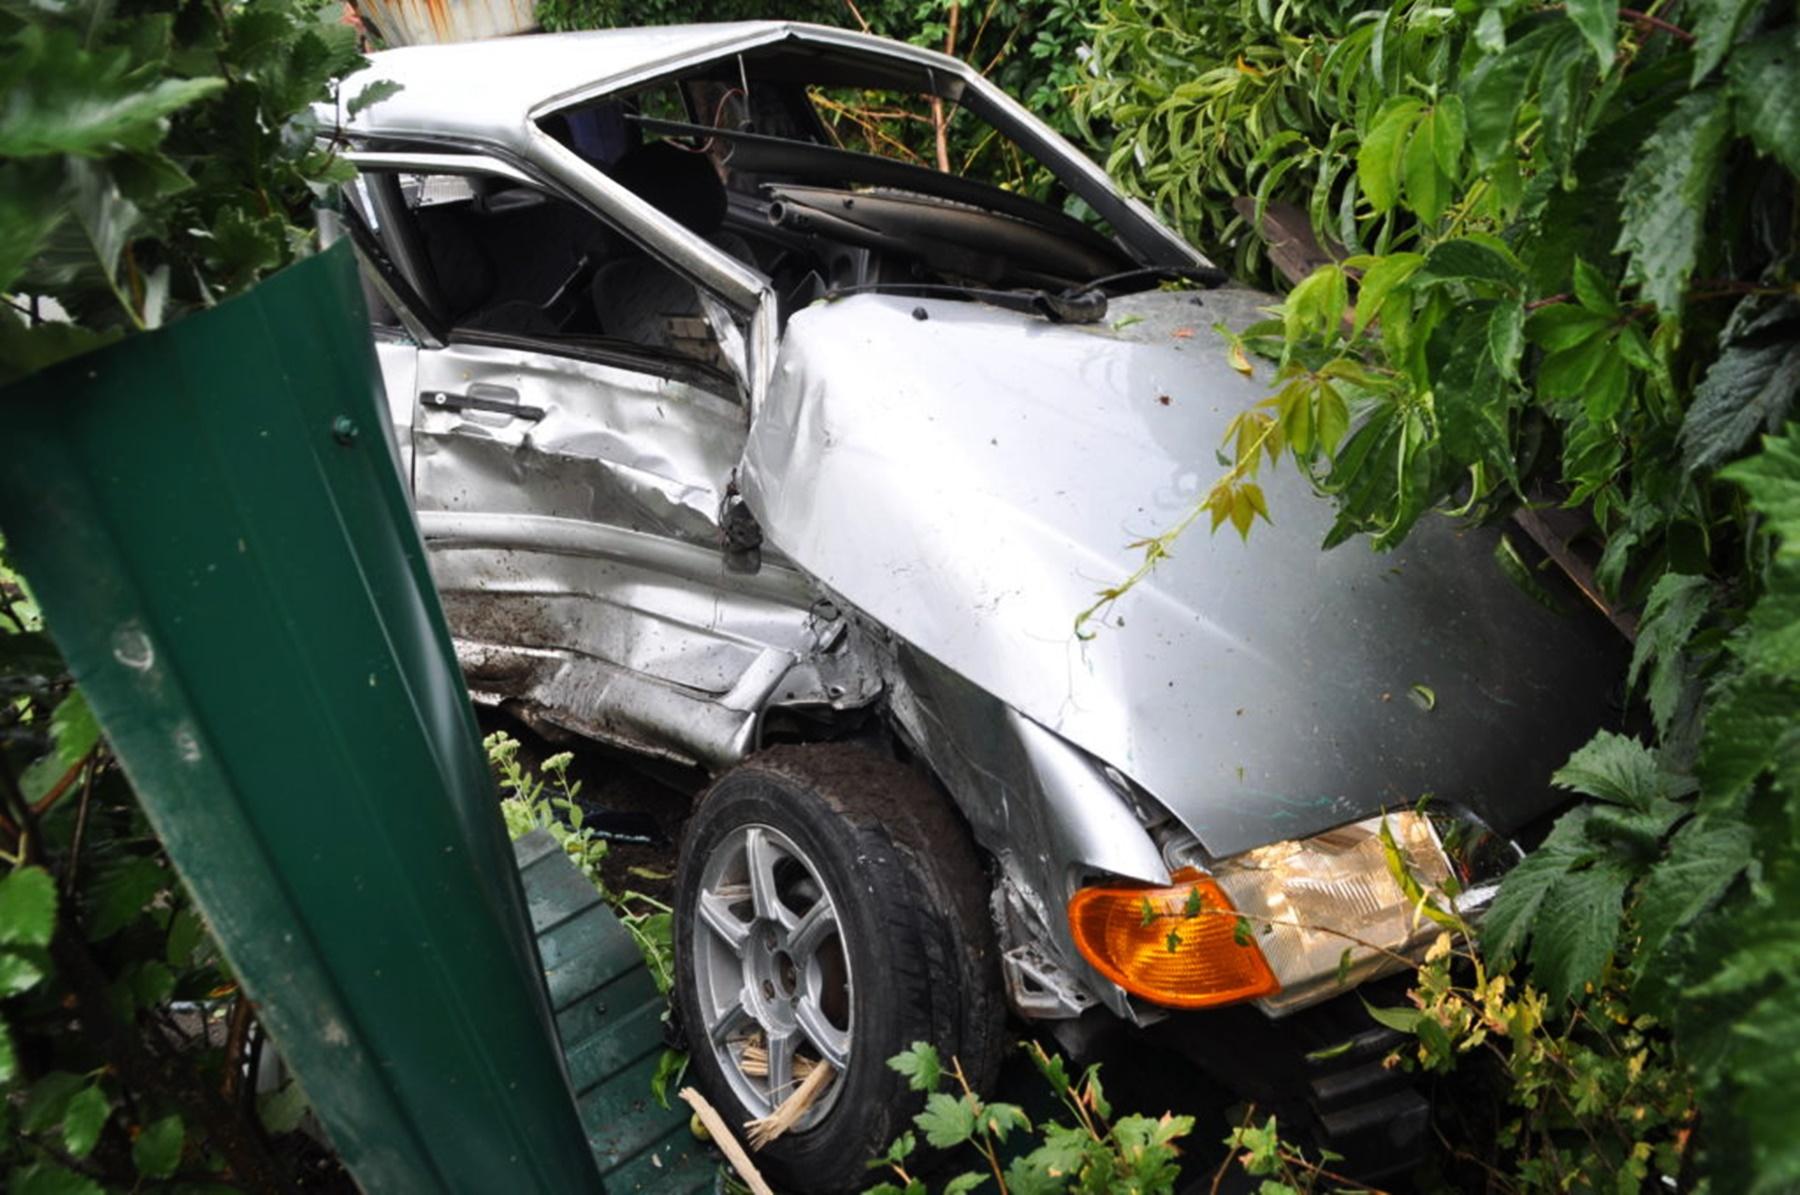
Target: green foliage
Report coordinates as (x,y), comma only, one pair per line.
(155,161)
(1565,269)
(1088,1151)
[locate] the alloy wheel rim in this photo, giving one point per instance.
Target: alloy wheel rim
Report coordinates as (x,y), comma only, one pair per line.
(771,971)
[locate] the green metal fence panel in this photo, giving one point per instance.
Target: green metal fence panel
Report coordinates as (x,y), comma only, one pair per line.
(212,521)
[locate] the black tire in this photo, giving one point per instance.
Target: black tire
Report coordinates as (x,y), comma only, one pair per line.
(910,899)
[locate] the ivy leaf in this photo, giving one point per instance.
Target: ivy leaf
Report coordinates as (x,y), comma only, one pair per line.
(1677,603)
(1379,281)
(1509,919)
(1765,101)
(1666,197)
(17,974)
(1427,190)
(1772,479)
(1467,259)
(1598,21)
(947,1119)
(282,1111)
(27,907)
(1506,336)
(372,93)
(920,1065)
(1750,387)
(120,893)
(1703,858)
(83,1119)
(47,1178)
(1577,927)
(1594,292)
(1715,26)
(1620,770)
(157,1150)
(1000,1119)
(1378,160)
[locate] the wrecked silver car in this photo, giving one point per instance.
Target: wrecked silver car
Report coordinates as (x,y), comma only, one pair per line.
(795,462)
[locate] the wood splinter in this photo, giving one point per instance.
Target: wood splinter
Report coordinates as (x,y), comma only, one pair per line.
(728,1145)
(768,1128)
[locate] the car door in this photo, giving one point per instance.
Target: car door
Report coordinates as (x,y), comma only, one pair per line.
(570,485)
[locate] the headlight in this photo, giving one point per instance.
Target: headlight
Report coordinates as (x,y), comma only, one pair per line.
(1286,924)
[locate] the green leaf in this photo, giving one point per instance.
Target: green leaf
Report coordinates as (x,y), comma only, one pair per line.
(1704,857)
(1750,725)
(372,93)
(27,907)
(1563,325)
(1766,103)
(1715,25)
(1751,387)
(60,99)
(998,1120)
(1466,259)
(965,1182)
(1317,304)
(1472,402)
(1496,89)
(920,1065)
(1677,603)
(47,1100)
(26,350)
(1598,21)
(47,1178)
(83,1119)
(1506,336)
(1379,281)
(83,252)
(1772,479)
(157,1150)
(120,893)
(1427,190)
(1620,770)
(947,1119)
(1594,292)
(1378,161)
(1401,1020)
(1665,200)
(1449,132)
(281,1111)
(1509,919)
(17,974)
(1577,928)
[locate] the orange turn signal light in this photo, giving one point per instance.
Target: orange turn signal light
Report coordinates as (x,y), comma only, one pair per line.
(1179,946)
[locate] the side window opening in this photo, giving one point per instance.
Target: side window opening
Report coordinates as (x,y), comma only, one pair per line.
(495,257)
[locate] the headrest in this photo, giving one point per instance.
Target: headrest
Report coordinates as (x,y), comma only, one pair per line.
(679,182)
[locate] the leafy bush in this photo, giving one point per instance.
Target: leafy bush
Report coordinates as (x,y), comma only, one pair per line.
(1564,273)
(1089,1152)
(155,160)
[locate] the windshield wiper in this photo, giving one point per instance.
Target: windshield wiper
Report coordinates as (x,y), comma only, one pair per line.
(1211,277)
(1078,305)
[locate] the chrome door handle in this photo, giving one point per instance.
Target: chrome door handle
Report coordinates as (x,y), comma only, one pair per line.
(443,401)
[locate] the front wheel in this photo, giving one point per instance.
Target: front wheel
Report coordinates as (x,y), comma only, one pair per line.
(830,911)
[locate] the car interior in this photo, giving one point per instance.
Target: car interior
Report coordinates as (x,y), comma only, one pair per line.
(741,152)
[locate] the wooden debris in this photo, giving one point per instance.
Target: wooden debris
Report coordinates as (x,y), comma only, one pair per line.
(768,1128)
(728,1144)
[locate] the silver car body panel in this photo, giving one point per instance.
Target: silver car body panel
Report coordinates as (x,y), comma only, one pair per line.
(999,465)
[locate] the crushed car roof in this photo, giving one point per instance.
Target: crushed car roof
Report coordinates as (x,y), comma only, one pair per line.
(482,89)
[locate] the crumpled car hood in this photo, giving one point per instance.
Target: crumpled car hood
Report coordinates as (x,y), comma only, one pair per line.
(971,479)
